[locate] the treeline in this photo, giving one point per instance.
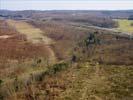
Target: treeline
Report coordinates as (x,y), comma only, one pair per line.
(93,21)
(130,17)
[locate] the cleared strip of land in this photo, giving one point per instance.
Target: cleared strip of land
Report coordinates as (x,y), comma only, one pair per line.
(33,35)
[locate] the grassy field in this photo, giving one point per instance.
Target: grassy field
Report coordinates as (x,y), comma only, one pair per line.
(99,82)
(82,81)
(125,25)
(101,70)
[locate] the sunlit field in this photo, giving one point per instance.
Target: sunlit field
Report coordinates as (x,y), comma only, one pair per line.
(125,25)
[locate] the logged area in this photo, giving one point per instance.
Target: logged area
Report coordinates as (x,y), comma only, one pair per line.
(66,55)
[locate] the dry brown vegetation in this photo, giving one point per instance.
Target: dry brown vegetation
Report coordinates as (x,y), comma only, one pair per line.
(17,46)
(115,50)
(18,56)
(100,71)
(64,35)
(88,80)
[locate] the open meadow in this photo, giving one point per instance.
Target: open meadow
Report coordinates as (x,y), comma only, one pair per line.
(125,25)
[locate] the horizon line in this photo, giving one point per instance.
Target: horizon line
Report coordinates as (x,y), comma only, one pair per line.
(69,10)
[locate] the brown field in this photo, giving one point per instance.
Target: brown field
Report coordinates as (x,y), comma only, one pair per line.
(50,59)
(17,55)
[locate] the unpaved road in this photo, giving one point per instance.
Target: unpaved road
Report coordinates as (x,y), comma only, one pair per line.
(33,35)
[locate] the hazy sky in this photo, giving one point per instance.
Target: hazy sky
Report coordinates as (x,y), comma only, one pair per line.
(66,4)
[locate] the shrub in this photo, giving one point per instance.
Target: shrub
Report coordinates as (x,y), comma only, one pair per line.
(1,82)
(131,24)
(57,67)
(91,39)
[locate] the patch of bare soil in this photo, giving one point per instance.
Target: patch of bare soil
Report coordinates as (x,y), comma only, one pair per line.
(5,36)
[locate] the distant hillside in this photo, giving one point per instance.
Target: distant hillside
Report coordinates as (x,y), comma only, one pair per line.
(104,13)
